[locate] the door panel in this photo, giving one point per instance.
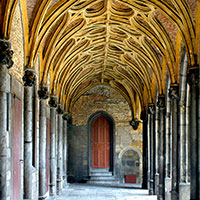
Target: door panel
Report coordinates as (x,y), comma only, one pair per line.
(100,143)
(17,130)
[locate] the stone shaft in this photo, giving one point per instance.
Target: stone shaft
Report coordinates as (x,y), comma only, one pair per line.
(42,149)
(3,131)
(161,105)
(28,131)
(53,167)
(59,154)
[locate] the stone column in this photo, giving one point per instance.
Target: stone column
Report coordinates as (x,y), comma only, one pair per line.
(65,117)
(29,79)
(43,95)
(5,62)
(59,150)
(168,151)
(145,148)
(193,80)
(53,167)
(151,112)
(174,96)
(156,153)
(184,185)
(161,106)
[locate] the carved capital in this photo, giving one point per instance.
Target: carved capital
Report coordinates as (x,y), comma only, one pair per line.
(174,92)
(53,102)
(59,109)
(43,92)
(66,116)
(134,123)
(151,109)
(193,75)
(6,54)
(161,102)
(143,115)
(29,78)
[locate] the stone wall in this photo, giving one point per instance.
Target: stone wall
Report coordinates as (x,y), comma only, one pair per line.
(17,41)
(105,99)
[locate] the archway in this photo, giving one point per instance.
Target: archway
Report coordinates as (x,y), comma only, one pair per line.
(101,141)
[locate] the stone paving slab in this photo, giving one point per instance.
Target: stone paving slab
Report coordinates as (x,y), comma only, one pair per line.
(88,192)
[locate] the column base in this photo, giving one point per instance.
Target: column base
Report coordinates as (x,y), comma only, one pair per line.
(174,195)
(184,191)
(151,183)
(168,188)
(59,187)
(156,184)
(42,197)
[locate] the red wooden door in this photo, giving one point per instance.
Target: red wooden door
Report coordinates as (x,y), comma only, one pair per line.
(17,130)
(100,143)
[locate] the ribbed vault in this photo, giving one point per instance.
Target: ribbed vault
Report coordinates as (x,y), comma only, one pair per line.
(120,43)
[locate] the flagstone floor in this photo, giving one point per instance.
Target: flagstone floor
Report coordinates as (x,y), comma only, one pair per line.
(88,192)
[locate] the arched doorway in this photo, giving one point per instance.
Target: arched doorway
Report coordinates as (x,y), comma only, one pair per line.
(101,143)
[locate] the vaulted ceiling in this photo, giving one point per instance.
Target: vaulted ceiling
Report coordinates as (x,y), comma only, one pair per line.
(130,45)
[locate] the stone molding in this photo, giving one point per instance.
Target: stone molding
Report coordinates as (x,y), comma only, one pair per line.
(43,92)
(151,109)
(193,75)
(66,116)
(161,102)
(29,77)
(135,123)
(53,102)
(59,109)
(174,92)
(6,54)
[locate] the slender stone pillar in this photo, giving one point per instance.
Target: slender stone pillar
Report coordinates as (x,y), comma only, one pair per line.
(53,167)
(29,79)
(65,117)
(168,151)
(145,148)
(174,96)
(5,62)
(193,80)
(161,106)
(59,150)
(43,95)
(151,112)
(156,153)
(184,185)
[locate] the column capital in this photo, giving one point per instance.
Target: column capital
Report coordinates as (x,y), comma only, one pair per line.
(29,77)
(193,75)
(59,109)
(161,102)
(66,116)
(43,92)
(151,109)
(6,53)
(53,102)
(135,123)
(174,91)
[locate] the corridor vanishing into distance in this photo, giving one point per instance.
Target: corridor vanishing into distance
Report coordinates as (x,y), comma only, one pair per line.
(88,192)
(101,92)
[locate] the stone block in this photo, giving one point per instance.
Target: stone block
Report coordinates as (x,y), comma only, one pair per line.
(184,191)
(168,182)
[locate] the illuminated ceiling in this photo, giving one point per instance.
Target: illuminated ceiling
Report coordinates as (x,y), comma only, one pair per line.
(129,45)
